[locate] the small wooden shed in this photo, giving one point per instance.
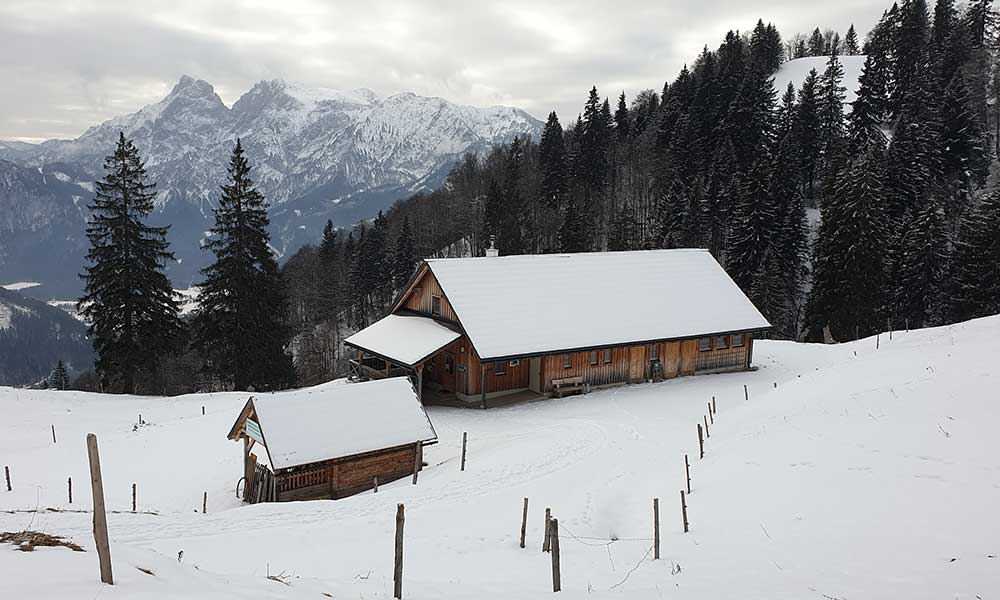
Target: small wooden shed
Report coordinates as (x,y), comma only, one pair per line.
(332,440)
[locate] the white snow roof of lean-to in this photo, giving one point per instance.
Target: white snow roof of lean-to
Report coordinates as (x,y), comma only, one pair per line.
(405,339)
(336,420)
(515,306)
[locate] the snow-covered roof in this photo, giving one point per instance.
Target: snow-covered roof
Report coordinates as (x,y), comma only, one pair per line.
(404,339)
(332,421)
(514,306)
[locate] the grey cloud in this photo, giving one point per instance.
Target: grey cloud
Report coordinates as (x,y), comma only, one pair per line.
(70,64)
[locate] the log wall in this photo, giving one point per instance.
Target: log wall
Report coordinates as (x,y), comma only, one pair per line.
(421,298)
(345,477)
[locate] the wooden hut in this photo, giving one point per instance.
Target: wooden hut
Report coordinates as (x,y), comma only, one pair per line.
(332,440)
(474,329)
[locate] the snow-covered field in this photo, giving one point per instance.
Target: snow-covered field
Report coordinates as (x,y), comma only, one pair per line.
(795,71)
(865,473)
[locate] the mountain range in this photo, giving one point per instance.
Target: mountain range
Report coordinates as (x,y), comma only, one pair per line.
(318,154)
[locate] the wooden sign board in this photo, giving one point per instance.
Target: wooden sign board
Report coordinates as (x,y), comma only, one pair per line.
(253,430)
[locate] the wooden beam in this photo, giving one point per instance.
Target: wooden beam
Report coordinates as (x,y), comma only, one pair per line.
(100,517)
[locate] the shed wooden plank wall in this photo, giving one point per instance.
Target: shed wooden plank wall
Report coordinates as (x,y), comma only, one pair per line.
(422,297)
(347,477)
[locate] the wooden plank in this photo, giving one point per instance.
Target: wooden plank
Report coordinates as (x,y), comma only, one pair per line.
(397,572)
(100,517)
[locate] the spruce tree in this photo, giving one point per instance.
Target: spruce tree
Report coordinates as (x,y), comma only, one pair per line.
(624,230)
(851,47)
(755,228)
(817,44)
(919,295)
(128,300)
(976,262)
(622,123)
(791,240)
(914,159)
(963,147)
(864,125)
(59,378)
(830,112)
(807,127)
(241,323)
(552,162)
(574,235)
(848,293)
(404,256)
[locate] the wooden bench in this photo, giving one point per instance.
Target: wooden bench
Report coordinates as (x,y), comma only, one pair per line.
(569,385)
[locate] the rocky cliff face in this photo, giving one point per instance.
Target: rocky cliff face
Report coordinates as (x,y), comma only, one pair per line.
(318,153)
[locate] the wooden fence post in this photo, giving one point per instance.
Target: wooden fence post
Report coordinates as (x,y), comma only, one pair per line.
(656,528)
(707,434)
(6,474)
(545,536)
(701,443)
(876,341)
(69,486)
(465,441)
(715,409)
(418,461)
(554,545)
(133,497)
(524,521)
(397,572)
(687,472)
(684,511)
(204,503)
(53,434)
(375,484)
(100,518)
(746,392)
(711,418)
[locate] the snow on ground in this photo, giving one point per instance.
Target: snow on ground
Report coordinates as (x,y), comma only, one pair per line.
(866,473)
(19,285)
(795,71)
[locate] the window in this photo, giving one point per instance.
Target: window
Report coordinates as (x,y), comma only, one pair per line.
(449,364)
(500,367)
(738,341)
(593,357)
(607,355)
(515,362)
(721,342)
(704,344)
(654,352)
(435,305)
(566,361)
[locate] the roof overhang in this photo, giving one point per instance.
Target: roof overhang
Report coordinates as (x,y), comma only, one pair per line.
(404,339)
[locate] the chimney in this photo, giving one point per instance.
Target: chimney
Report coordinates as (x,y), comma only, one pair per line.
(492,250)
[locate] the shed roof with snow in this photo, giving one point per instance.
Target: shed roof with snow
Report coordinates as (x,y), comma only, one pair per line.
(335,420)
(516,306)
(404,339)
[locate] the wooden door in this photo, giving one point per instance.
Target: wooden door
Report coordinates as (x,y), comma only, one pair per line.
(672,359)
(636,364)
(535,375)
(448,370)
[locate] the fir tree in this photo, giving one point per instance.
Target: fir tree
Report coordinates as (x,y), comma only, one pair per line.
(807,127)
(914,160)
(755,227)
(910,51)
(817,44)
(552,162)
(574,236)
(851,47)
(624,230)
(766,49)
(964,151)
(59,378)
(128,301)
(791,245)
(830,112)
(848,292)
(976,263)
(241,323)
(864,129)
(622,124)
(919,296)
(404,257)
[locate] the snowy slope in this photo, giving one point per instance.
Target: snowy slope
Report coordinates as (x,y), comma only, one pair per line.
(795,71)
(866,473)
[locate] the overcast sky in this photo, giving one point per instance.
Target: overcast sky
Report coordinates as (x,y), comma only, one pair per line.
(68,64)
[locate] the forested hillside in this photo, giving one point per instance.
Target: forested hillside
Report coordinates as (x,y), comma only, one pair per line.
(35,337)
(721,159)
